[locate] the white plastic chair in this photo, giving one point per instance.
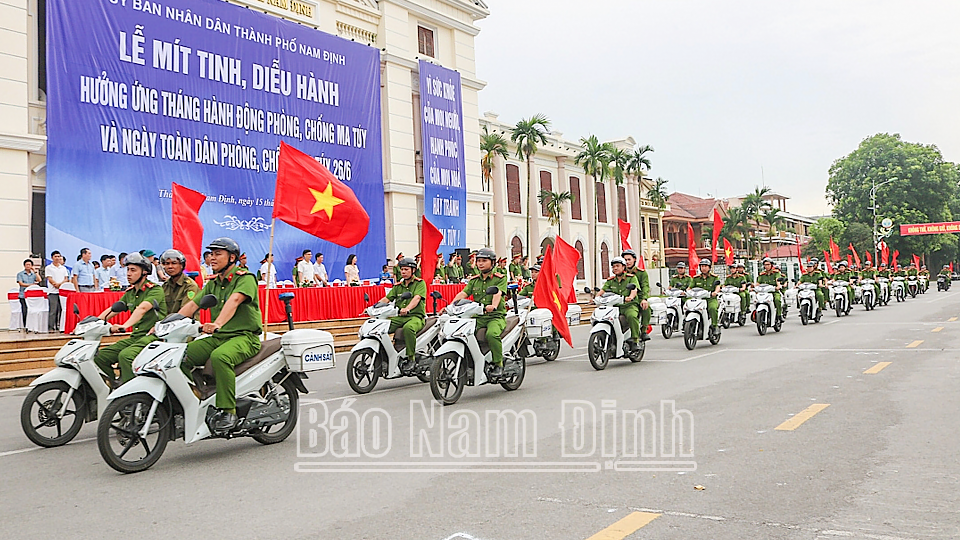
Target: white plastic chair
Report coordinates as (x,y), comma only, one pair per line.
(38,309)
(16,310)
(68,286)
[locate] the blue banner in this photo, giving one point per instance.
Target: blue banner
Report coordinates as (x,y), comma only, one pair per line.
(201,92)
(444,169)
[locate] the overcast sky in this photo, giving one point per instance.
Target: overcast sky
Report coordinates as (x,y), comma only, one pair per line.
(723,88)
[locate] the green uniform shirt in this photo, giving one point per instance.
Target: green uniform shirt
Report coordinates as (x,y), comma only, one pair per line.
(416,287)
(470,270)
(843,276)
(454,273)
(176,291)
(618,285)
(868,274)
(148,292)
(516,270)
(911,272)
(643,280)
(248,316)
(735,281)
(678,282)
(527,290)
(944,273)
(705,281)
(883,273)
(812,277)
(769,278)
(477,288)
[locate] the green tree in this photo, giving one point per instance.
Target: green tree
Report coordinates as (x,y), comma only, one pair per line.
(554,202)
(528,134)
(595,160)
(658,194)
(619,169)
(820,233)
(491,146)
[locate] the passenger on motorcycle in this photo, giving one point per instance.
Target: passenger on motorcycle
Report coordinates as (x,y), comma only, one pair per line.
(708,281)
(945,273)
(883,271)
(630,256)
(139,298)
(814,275)
(235,329)
(178,288)
(527,290)
(868,271)
(739,279)
(771,276)
(681,280)
(844,274)
(618,284)
(495,306)
(412,310)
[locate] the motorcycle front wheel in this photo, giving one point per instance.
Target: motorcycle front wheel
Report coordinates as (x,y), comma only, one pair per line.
(446,380)
(761,324)
(690,335)
(804,316)
(41,418)
(598,351)
(636,355)
(667,329)
(363,371)
(118,433)
(714,336)
(778,324)
(840,310)
(289,398)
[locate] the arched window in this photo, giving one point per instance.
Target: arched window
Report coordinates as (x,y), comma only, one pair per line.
(516,246)
(581,274)
(604,260)
(601,202)
(548,241)
(546,183)
(575,203)
(622,202)
(513,189)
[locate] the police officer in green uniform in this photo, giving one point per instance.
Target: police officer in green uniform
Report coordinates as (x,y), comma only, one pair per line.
(619,284)
(844,274)
(925,273)
(681,280)
(516,269)
(495,306)
(524,267)
(412,310)
(454,269)
(738,279)
(709,281)
(236,327)
(771,276)
(470,270)
(869,272)
(946,273)
(630,256)
(527,289)
(178,288)
(139,298)
(814,275)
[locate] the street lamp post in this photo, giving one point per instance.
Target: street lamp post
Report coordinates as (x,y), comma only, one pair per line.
(873,206)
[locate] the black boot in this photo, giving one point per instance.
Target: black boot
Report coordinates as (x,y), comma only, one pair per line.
(224,422)
(496,372)
(644,336)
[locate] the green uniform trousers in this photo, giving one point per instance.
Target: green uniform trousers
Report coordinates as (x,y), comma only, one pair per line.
(224,353)
(411,324)
(821,298)
(632,313)
(712,307)
(645,318)
(122,352)
(744,301)
(495,325)
(778,303)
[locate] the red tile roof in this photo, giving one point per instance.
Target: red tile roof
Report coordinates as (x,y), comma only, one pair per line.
(688,207)
(783,252)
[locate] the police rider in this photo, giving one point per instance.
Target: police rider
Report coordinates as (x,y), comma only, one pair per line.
(494,305)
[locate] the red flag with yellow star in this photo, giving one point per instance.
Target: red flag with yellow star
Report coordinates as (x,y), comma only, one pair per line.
(311,199)
(546,294)
(727,252)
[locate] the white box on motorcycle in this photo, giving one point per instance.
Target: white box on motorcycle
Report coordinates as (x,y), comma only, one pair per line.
(574,312)
(308,350)
(539,323)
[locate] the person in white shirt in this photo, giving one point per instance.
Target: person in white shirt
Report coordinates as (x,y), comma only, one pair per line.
(320,271)
(157,275)
(268,272)
(205,270)
(57,274)
(350,271)
(305,273)
(120,270)
(105,271)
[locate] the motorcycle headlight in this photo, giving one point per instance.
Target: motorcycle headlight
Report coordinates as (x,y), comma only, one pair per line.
(69,360)
(154,365)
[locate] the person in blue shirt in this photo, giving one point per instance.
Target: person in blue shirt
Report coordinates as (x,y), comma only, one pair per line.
(120,270)
(83,276)
(26,278)
(103,273)
(385,276)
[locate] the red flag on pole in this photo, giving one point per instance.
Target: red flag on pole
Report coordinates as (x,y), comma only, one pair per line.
(717,227)
(187,228)
(884,253)
(849,261)
(856,258)
(430,238)
(727,252)
(896,261)
(799,256)
(826,259)
(692,259)
(565,259)
(834,250)
(624,234)
(869,258)
(916,261)
(547,294)
(951,267)
(311,199)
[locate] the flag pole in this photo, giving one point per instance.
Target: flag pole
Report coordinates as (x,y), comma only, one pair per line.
(266,303)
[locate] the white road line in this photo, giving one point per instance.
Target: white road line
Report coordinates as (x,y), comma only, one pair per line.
(33,448)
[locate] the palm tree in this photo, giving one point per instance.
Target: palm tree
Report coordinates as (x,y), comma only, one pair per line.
(554,202)
(658,194)
(754,205)
(773,218)
(527,134)
(736,225)
(491,146)
(639,162)
(619,169)
(595,159)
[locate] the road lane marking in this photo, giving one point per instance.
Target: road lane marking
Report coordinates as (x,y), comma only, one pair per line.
(937,329)
(626,526)
(915,344)
(951,319)
(877,368)
(34,448)
(802,417)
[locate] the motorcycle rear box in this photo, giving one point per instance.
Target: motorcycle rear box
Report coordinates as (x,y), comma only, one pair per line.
(308,350)
(574,312)
(539,323)
(658,311)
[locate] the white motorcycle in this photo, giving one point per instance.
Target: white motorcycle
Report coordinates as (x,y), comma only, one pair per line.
(868,293)
(807,298)
(913,286)
(671,317)
(162,403)
(841,300)
(72,393)
(924,283)
(610,332)
(543,339)
(464,358)
(883,291)
(899,289)
(696,318)
(380,354)
(765,312)
(730,307)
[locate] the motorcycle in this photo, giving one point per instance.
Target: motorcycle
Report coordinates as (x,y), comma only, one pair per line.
(163,403)
(541,335)
(942,284)
(464,358)
(809,308)
(74,392)
(730,307)
(868,292)
(841,301)
(912,286)
(899,289)
(670,319)
(609,333)
(696,318)
(379,354)
(765,313)
(883,294)
(924,283)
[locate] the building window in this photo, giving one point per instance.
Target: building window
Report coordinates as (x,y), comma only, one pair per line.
(546,184)
(42,49)
(655,230)
(581,274)
(605,260)
(601,203)
(575,203)
(643,228)
(426,43)
(516,246)
(622,202)
(513,189)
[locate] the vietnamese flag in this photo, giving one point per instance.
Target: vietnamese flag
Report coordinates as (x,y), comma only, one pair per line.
(896,263)
(187,228)
(727,252)
(430,238)
(311,199)
(717,227)
(834,250)
(856,258)
(546,294)
(624,234)
(692,259)
(565,259)
(826,259)
(916,261)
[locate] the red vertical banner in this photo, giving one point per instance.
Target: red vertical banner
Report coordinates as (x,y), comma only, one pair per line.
(624,234)
(727,252)
(826,259)
(430,238)
(799,256)
(869,258)
(717,227)
(834,250)
(896,261)
(856,258)
(187,228)
(565,259)
(692,259)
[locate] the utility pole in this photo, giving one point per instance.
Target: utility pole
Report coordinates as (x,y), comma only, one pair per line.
(873,206)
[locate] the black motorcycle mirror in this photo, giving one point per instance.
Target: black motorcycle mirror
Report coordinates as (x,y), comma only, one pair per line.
(631,287)
(118,307)
(406,296)
(207,302)
(493,290)
(436,297)
(659,285)
(76,310)
(286,298)
(587,290)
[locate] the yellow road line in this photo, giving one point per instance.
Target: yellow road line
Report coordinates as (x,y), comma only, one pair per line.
(937,329)
(802,417)
(877,368)
(951,319)
(915,344)
(626,526)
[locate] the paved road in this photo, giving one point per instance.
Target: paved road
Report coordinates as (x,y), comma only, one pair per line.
(857,455)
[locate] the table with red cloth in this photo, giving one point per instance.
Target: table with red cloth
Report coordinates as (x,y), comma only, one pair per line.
(308,304)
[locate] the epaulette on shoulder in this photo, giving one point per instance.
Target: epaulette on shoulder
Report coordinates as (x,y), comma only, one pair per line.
(498,275)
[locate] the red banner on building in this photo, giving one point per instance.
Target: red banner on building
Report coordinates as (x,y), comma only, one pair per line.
(945,227)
